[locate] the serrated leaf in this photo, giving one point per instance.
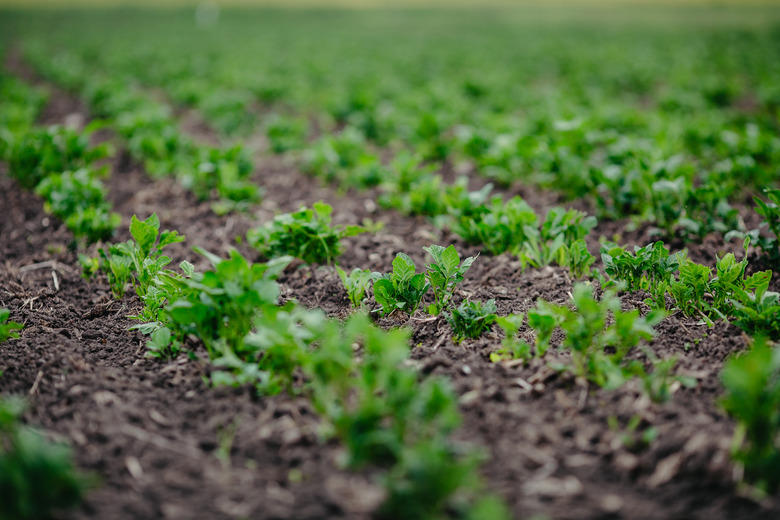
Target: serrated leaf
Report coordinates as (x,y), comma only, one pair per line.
(450,259)
(403,268)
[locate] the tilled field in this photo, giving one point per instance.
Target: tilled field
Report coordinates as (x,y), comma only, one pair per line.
(163,442)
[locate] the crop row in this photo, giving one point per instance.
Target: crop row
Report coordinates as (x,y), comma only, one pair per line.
(678,164)
(152,136)
(57,162)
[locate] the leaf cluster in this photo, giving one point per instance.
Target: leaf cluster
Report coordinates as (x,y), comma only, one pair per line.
(306,234)
(471,319)
(8,328)
(752,383)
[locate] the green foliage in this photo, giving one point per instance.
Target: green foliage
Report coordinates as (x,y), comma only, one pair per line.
(43,151)
(142,255)
(648,268)
(550,242)
(770,210)
(390,419)
(37,476)
(219,306)
(79,199)
(658,384)
(752,383)
(500,228)
(7,328)
(512,347)
(286,133)
(306,234)
(544,319)
(356,284)
(444,273)
(578,259)
(590,339)
(757,313)
(403,289)
(471,319)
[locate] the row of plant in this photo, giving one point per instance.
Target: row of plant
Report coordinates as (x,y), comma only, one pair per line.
(390,421)
(666,142)
(57,162)
(152,136)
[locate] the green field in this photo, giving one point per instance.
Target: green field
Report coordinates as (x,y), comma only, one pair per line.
(486,262)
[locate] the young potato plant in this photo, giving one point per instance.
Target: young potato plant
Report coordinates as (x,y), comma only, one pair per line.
(658,384)
(648,268)
(512,347)
(79,198)
(697,293)
(598,348)
(500,227)
(306,234)
(757,313)
(752,383)
(37,476)
(286,133)
(219,305)
(444,273)
(471,319)
(551,241)
(225,172)
(578,259)
(388,418)
(356,284)
(770,210)
(402,289)
(42,151)
(8,328)
(140,258)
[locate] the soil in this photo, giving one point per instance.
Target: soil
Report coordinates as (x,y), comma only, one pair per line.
(163,444)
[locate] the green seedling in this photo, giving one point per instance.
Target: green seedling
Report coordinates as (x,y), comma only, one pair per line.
(578,259)
(79,199)
(37,476)
(548,244)
(658,384)
(544,319)
(500,227)
(218,306)
(689,289)
(757,313)
(286,133)
(752,383)
(306,234)
(648,268)
(770,210)
(142,256)
(512,347)
(42,151)
(403,289)
(8,328)
(634,437)
(471,319)
(598,349)
(444,273)
(356,284)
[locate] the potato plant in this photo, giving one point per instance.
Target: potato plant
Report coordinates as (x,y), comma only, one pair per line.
(471,319)
(306,234)
(753,399)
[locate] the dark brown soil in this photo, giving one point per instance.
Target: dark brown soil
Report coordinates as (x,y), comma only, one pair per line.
(165,445)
